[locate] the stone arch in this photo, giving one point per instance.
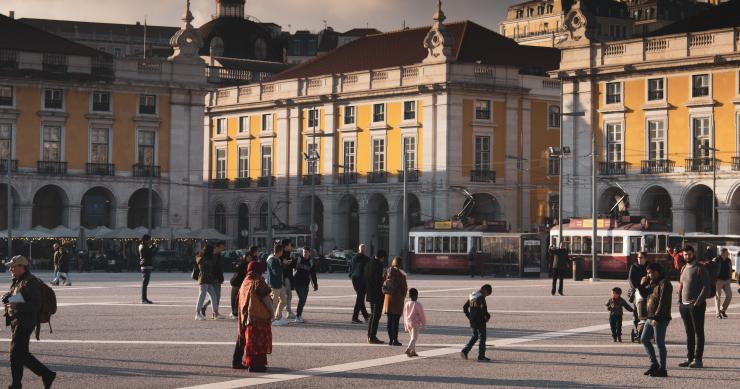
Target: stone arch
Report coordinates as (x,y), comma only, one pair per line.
(50,207)
(242,224)
(347,222)
(698,203)
(219,218)
(656,204)
(483,207)
(138,209)
(15,209)
(608,200)
(378,222)
(98,208)
(318,219)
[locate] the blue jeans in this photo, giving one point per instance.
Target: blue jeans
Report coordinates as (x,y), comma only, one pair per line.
(478,333)
(302,292)
(206,288)
(658,332)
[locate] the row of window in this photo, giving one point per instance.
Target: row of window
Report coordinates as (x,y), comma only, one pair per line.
(101,100)
(441,244)
(52,142)
(541,10)
(656,88)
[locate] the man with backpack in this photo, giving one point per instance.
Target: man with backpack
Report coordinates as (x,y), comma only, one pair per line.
(476,311)
(694,289)
(723,265)
(23,306)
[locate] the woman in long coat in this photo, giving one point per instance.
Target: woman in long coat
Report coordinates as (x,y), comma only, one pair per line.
(254,316)
(394,288)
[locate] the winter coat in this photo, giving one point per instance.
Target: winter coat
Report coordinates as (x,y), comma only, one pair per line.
(413,315)
(476,310)
(25,314)
(205,269)
(357,266)
(393,302)
(374,281)
(240,272)
(274,272)
(305,273)
(61,261)
(659,300)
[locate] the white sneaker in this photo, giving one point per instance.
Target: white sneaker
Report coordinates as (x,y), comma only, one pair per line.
(199,317)
(216,316)
(291,316)
(299,319)
(232,317)
(279,322)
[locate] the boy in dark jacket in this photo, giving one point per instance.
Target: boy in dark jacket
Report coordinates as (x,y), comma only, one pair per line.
(476,311)
(614,305)
(658,317)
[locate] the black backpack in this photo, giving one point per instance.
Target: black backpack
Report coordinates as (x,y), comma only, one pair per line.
(48,305)
(713,269)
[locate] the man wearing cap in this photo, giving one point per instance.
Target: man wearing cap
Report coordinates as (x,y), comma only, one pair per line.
(22,304)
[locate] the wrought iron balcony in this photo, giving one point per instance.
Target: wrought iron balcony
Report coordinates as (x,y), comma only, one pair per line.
(244,182)
(52,168)
(657,166)
(100,169)
(613,168)
(266,181)
(411,175)
(736,164)
(482,175)
(702,164)
(347,178)
(4,166)
(312,179)
(220,183)
(146,170)
(377,177)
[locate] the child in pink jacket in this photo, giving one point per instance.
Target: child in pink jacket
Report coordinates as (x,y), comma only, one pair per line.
(413,319)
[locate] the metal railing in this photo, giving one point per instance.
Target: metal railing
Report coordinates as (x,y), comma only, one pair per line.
(309,179)
(52,168)
(411,175)
(146,170)
(100,169)
(377,177)
(54,63)
(220,183)
(266,181)
(244,182)
(4,166)
(8,59)
(477,175)
(613,168)
(657,166)
(347,178)
(702,164)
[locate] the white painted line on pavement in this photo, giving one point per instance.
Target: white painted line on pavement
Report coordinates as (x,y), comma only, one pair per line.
(345,367)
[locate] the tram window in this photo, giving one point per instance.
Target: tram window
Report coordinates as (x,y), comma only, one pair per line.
(446,244)
(599,243)
(675,242)
(586,244)
(576,245)
(650,243)
(464,244)
(421,245)
(566,240)
(607,244)
(412,244)
(618,246)
(453,244)
(635,244)
(430,244)
(662,242)
(438,244)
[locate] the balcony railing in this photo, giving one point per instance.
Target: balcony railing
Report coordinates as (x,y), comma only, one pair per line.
(312,179)
(220,183)
(736,164)
(244,182)
(411,175)
(102,67)
(657,166)
(377,177)
(347,178)
(702,164)
(52,168)
(54,63)
(613,168)
(4,166)
(266,181)
(100,169)
(146,170)
(8,59)
(483,176)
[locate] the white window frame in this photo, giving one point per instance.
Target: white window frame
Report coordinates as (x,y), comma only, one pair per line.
(346,156)
(709,87)
(347,108)
(262,159)
(12,96)
(64,99)
(92,101)
(413,110)
(647,89)
(239,167)
(91,130)
(11,148)
(62,132)
(384,154)
(244,124)
(222,127)
(550,123)
(621,93)
(412,162)
(479,164)
(156,104)
(313,118)
(664,140)
(156,144)
(222,164)
(490,110)
(694,146)
(312,145)
(385,113)
(268,122)
(608,143)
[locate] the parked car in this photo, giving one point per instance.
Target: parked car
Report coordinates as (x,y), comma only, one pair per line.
(230,257)
(170,260)
(338,260)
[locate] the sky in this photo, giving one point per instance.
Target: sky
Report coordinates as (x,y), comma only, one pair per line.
(342,15)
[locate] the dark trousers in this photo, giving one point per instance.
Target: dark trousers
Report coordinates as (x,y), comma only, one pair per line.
(693,322)
(238,352)
(20,356)
(360,290)
(302,292)
(146,274)
(234,300)
(393,321)
(471,267)
(478,334)
(557,274)
(376,310)
(615,323)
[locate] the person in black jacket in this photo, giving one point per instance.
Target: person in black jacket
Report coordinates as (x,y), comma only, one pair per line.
(288,267)
(658,317)
(240,272)
(217,280)
(476,311)
(357,274)
(375,296)
(305,273)
(559,266)
(724,278)
(147,250)
(21,314)
(637,271)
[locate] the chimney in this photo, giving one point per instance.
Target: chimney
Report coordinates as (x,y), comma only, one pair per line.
(11,14)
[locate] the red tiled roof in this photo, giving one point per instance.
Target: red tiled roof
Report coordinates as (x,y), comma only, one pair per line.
(472,43)
(24,37)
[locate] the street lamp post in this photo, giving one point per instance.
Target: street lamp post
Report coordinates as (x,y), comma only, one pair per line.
(312,158)
(9,196)
(404,244)
(714,184)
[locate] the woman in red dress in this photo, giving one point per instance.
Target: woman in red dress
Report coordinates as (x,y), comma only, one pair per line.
(255,307)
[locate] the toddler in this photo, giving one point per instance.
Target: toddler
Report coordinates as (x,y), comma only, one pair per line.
(413,319)
(614,305)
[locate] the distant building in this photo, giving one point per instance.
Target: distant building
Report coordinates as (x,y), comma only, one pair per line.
(651,15)
(304,45)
